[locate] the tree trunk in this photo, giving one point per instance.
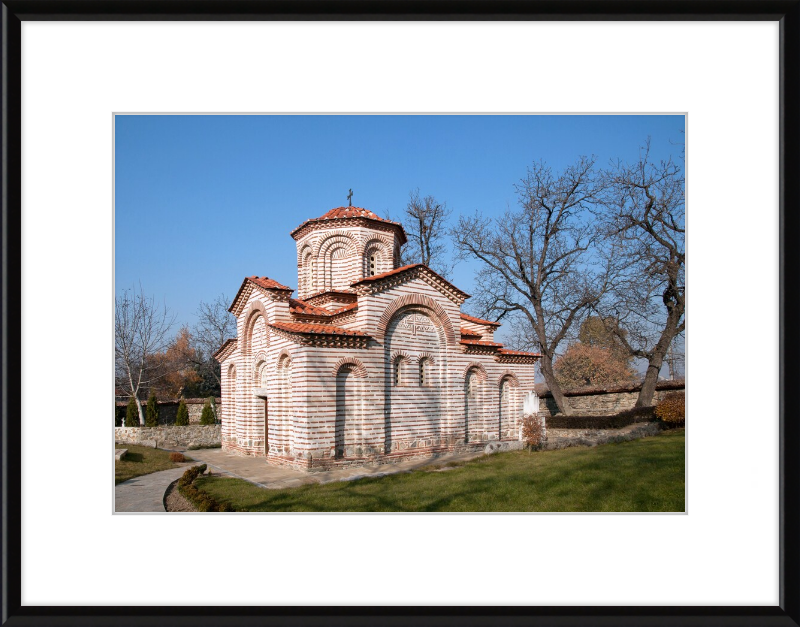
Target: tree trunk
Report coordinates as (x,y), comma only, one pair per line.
(141,411)
(648,385)
(555,388)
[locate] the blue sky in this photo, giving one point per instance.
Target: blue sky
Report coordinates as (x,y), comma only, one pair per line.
(203,201)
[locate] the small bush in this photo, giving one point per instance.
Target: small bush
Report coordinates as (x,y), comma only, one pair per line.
(672,409)
(203,501)
(194,447)
(207,417)
(132,413)
(151,412)
(533,433)
(182,419)
(176,457)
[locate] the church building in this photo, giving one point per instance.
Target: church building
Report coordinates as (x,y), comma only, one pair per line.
(371,362)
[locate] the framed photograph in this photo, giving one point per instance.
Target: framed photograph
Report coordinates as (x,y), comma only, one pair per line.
(157,155)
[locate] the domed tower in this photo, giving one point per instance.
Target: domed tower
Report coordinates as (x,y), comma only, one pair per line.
(341,247)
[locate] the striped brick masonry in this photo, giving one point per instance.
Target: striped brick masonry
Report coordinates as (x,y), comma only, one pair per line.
(371,362)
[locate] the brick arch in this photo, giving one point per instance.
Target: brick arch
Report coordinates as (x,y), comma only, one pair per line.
(482,377)
(259,361)
(255,309)
(438,313)
(282,357)
(427,356)
(358,370)
(335,237)
(510,376)
(401,354)
(375,242)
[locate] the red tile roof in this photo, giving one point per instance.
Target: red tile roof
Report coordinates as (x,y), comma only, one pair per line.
(340,213)
(352,212)
(314,329)
(505,351)
(223,348)
(383,275)
(297,306)
(263,282)
(268,284)
(480,343)
(475,320)
(344,309)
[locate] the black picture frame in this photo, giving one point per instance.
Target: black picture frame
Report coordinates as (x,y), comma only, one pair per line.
(787,12)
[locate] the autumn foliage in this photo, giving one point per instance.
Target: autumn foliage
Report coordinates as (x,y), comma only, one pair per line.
(177,363)
(586,365)
(533,433)
(672,409)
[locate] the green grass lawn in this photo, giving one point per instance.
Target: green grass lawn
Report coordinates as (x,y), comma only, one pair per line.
(141,460)
(646,475)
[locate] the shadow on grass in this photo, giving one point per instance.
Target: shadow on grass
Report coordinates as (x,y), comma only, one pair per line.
(643,475)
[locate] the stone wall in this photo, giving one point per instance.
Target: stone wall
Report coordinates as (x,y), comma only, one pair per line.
(168,410)
(169,436)
(605,403)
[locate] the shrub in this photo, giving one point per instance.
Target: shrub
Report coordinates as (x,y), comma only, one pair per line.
(672,409)
(151,413)
(533,432)
(119,415)
(182,419)
(176,457)
(202,500)
(132,413)
(207,417)
(616,421)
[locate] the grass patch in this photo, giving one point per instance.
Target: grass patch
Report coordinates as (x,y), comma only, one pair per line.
(646,475)
(141,460)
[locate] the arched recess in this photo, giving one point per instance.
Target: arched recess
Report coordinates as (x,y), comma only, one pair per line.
(229,403)
(349,410)
(507,403)
(474,384)
(255,312)
(358,368)
(305,271)
(282,410)
(335,253)
(435,311)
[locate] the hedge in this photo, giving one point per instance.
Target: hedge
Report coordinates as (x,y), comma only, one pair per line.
(617,421)
(201,499)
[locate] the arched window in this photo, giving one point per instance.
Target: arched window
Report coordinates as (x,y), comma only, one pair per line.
(398,372)
(307,269)
(424,371)
(372,265)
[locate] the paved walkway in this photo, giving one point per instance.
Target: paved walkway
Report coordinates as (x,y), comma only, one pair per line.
(256,470)
(146,493)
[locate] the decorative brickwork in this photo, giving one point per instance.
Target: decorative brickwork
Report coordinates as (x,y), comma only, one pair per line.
(369,363)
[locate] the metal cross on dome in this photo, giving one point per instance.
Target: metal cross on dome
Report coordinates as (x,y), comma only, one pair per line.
(350,198)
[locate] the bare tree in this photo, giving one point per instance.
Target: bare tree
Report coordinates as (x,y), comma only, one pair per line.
(537,266)
(425,223)
(215,324)
(647,222)
(141,331)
